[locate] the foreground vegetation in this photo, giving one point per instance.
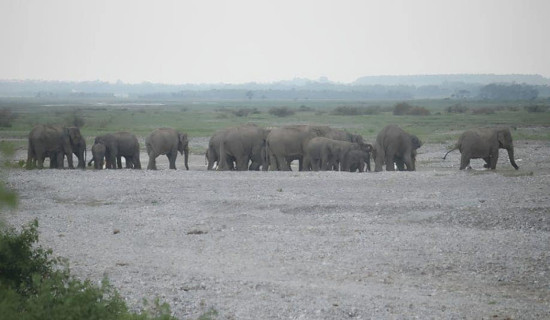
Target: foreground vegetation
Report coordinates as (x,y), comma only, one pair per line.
(35,286)
(432,120)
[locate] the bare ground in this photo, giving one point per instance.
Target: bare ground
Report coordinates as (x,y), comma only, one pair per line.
(436,243)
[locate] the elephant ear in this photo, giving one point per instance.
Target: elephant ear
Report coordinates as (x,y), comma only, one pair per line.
(183,142)
(416,143)
(183,138)
(74,135)
(504,138)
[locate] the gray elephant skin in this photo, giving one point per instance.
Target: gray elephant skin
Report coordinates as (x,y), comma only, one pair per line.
(484,143)
(243,144)
(327,154)
(395,146)
(117,145)
(359,160)
(288,143)
(213,151)
(98,155)
(167,141)
(55,142)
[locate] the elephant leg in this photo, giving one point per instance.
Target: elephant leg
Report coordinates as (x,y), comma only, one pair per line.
(59,160)
(494,160)
(172,159)
(273,163)
(119,162)
(487,162)
(389,162)
(242,163)
(379,160)
(307,163)
(40,160)
(315,164)
(283,164)
(400,164)
(152,165)
(464,161)
(136,162)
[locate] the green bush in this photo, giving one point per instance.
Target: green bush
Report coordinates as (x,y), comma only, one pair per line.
(536,108)
(418,111)
(33,286)
(6,117)
(401,108)
(281,111)
(244,112)
(457,108)
(354,111)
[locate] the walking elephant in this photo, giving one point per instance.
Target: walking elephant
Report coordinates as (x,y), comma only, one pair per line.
(484,143)
(117,145)
(325,154)
(244,144)
(288,143)
(167,141)
(55,142)
(359,160)
(98,155)
(395,146)
(213,152)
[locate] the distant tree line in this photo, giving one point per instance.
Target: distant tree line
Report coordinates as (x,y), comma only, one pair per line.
(504,91)
(289,90)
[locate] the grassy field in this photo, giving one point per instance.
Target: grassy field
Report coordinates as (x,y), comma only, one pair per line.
(202,118)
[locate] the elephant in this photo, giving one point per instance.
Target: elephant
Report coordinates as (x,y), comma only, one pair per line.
(484,143)
(98,155)
(325,154)
(394,145)
(167,141)
(55,142)
(357,160)
(287,143)
(243,144)
(213,152)
(117,145)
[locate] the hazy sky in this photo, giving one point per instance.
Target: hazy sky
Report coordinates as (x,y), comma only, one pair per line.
(235,41)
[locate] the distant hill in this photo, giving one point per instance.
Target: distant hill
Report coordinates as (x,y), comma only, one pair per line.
(457,86)
(427,80)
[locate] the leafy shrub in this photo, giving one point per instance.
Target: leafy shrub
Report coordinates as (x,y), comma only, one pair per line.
(32,286)
(536,108)
(457,108)
(75,119)
(401,108)
(304,108)
(281,111)
(244,112)
(6,117)
(354,111)
(404,108)
(418,111)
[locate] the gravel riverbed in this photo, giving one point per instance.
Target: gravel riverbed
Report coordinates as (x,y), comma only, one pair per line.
(437,243)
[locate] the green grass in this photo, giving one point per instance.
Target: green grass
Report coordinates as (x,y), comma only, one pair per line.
(201,119)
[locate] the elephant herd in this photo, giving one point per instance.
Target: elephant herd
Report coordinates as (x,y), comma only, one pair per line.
(250,147)
(57,142)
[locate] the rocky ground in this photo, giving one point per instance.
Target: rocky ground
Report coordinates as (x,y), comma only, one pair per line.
(438,243)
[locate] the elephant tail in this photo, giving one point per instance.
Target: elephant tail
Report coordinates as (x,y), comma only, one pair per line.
(453,149)
(266,156)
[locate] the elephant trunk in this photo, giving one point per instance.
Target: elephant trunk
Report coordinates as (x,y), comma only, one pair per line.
(511,156)
(186,157)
